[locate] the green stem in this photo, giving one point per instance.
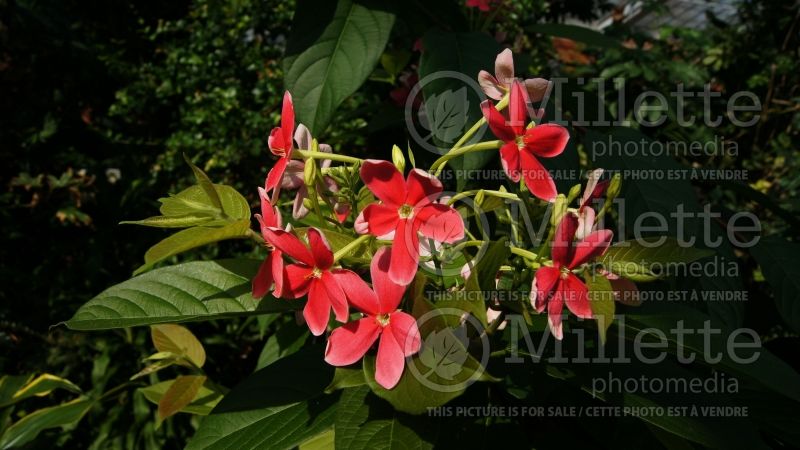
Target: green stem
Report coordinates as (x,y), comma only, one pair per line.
(305,154)
(255,236)
(346,249)
(438,165)
(472,193)
(524,253)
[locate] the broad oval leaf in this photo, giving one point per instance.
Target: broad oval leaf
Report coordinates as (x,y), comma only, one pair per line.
(203,402)
(333,48)
(179,394)
(179,340)
(648,259)
(16,388)
(199,290)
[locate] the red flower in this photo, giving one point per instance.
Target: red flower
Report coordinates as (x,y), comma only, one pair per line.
(522,146)
(554,286)
(407,208)
(398,332)
(280,144)
(271,270)
(483,5)
(311,274)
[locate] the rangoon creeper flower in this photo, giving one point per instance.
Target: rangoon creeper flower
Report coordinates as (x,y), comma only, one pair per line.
(311,274)
(586,214)
(523,145)
(293,178)
(407,209)
(397,331)
(557,285)
(495,87)
(280,144)
(271,270)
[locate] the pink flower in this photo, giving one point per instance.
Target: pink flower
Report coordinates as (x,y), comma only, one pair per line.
(482,5)
(557,285)
(407,209)
(311,274)
(625,291)
(271,270)
(495,87)
(293,178)
(522,145)
(594,189)
(280,144)
(396,331)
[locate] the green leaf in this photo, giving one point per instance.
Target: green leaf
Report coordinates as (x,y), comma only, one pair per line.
(192,238)
(200,290)
(636,260)
(27,428)
(780,264)
(601,299)
(203,402)
(361,254)
(322,441)
(194,201)
(178,340)
(179,394)
(766,370)
(16,388)
(346,377)
(186,221)
(278,407)
(577,33)
(288,339)
(363,424)
(205,184)
(333,48)
(455,103)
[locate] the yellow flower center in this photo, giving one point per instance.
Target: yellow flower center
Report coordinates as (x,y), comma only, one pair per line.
(382,319)
(406,212)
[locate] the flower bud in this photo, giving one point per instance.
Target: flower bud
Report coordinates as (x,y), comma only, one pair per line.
(614,187)
(559,208)
(574,193)
(398,159)
(310,168)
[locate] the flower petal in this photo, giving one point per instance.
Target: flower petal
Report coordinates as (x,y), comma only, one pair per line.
(357,291)
(390,361)
(422,188)
(536,177)
(296,281)
(275,176)
(302,135)
(625,292)
(490,85)
(537,88)
(377,220)
(275,142)
(348,343)
(585,222)
(496,121)
(289,244)
(336,296)
(293,176)
(441,223)
(388,294)
(318,307)
(518,108)
(323,256)
(509,158)
(287,121)
(406,333)
(504,67)
(543,287)
(591,184)
(270,215)
(385,181)
(278,274)
(554,308)
(405,253)
(546,140)
(594,245)
(299,209)
(576,295)
(263,279)
(562,246)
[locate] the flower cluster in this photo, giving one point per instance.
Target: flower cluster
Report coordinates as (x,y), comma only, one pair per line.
(409,217)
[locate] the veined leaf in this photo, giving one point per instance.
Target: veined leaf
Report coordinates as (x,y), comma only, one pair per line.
(636,259)
(203,402)
(193,200)
(778,261)
(16,388)
(601,299)
(178,340)
(179,394)
(333,48)
(27,428)
(205,184)
(200,290)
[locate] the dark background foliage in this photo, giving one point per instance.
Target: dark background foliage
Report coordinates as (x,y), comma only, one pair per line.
(100,100)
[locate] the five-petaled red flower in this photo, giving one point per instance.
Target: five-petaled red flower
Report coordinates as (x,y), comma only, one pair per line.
(523,145)
(557,285)
(311,274)
(407,209)
(398,332)
(280,144)
(271,270)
